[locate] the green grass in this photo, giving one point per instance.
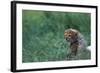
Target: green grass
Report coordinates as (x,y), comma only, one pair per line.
(43,35)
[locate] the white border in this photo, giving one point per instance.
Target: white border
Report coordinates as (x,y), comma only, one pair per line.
(36,65)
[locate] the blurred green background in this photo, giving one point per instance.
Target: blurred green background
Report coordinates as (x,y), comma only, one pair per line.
(43,35)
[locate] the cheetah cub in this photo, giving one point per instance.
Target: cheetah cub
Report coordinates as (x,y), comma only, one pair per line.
(75,39)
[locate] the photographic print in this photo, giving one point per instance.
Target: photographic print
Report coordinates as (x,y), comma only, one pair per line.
(53,36)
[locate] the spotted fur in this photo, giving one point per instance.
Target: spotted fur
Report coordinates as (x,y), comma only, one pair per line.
(76,40)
